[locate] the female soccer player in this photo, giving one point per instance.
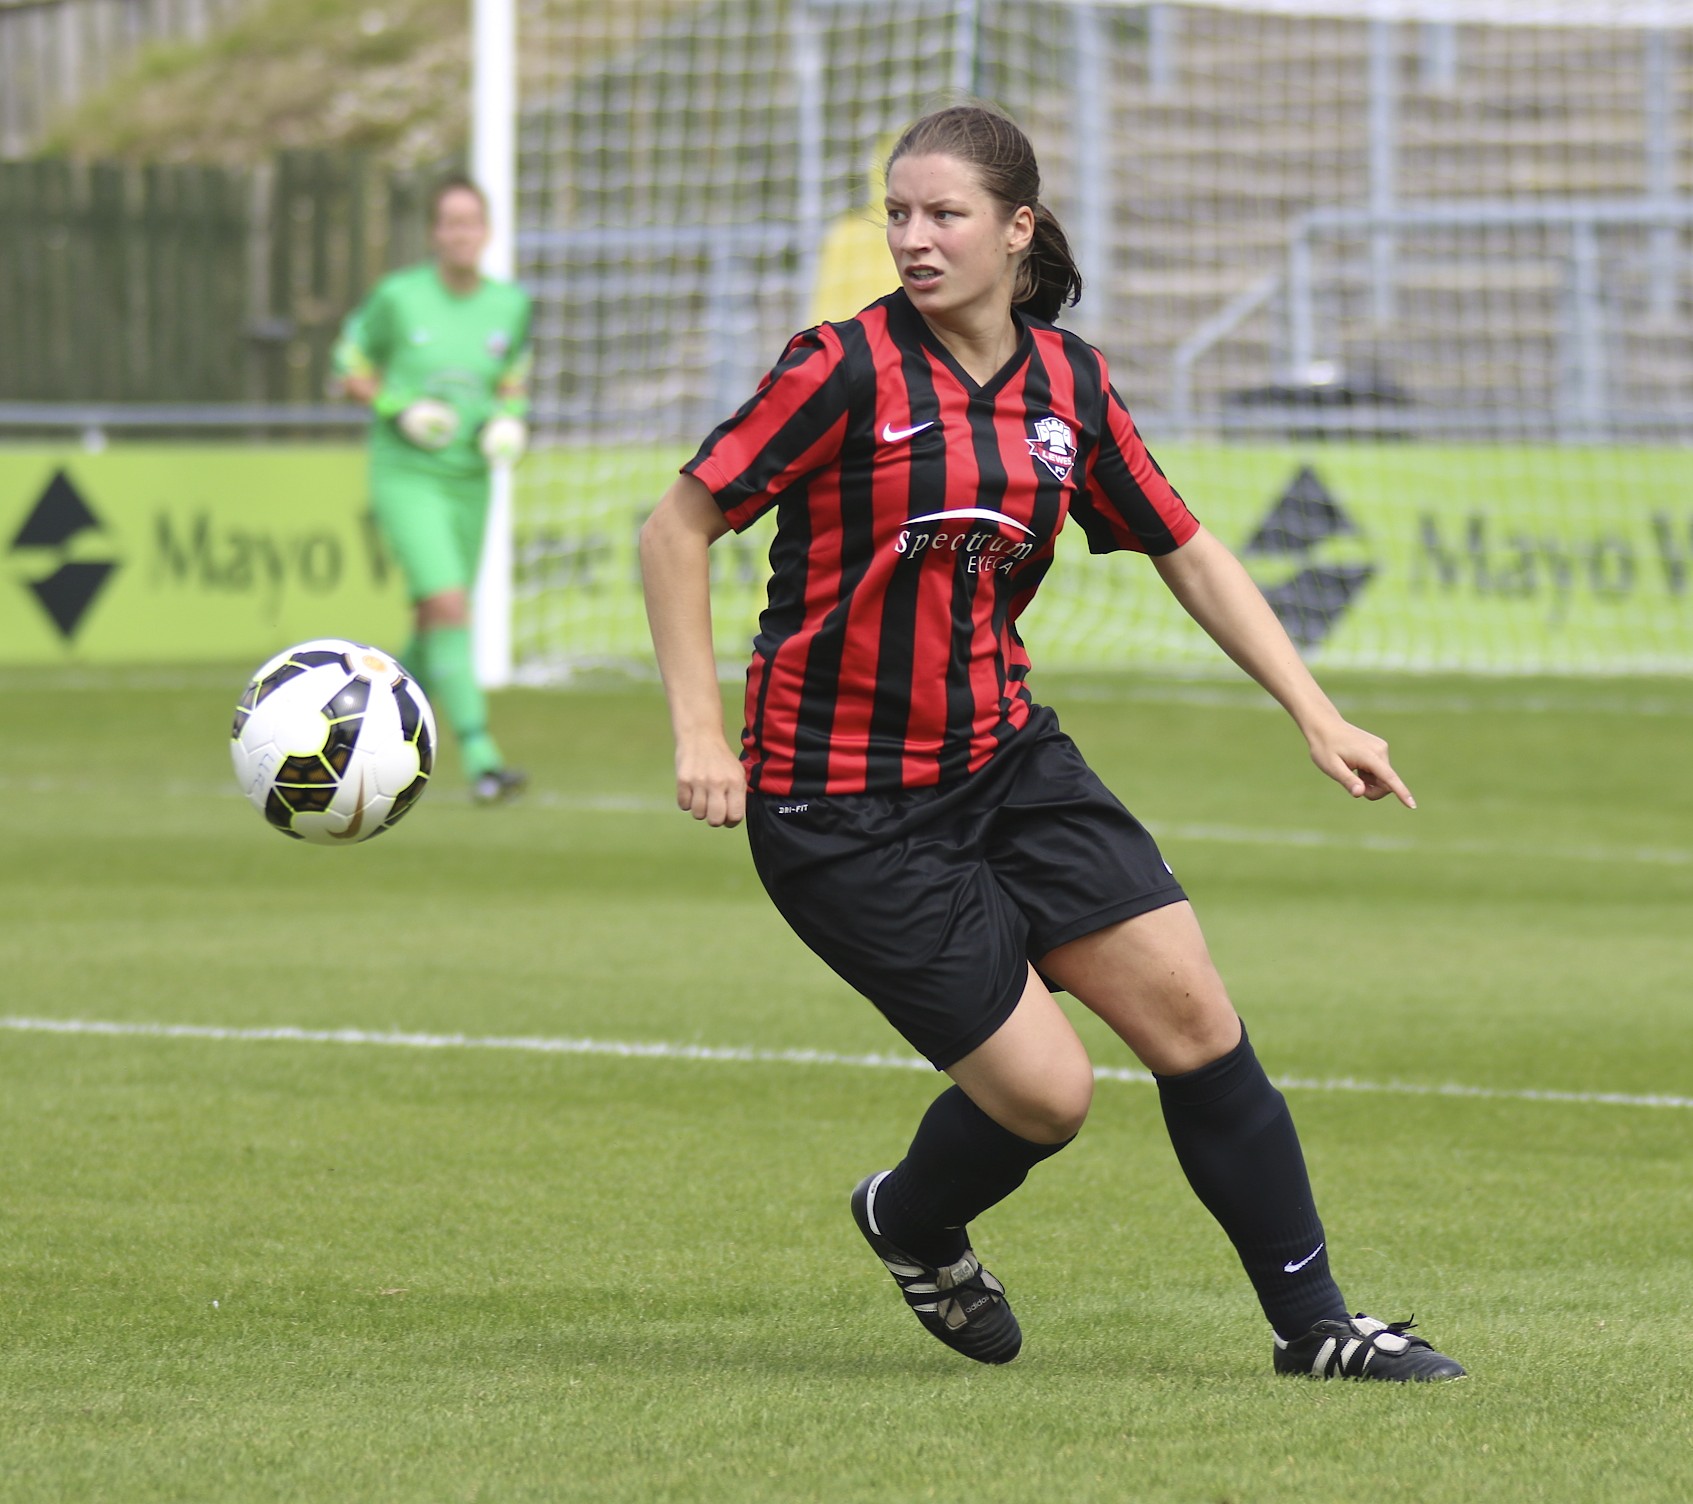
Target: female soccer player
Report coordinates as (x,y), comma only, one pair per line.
(441,353)
(918,819)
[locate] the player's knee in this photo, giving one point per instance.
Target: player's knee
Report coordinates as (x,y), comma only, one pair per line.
(1060,1125)
(1193,1042)
(1074,1107)
(1056,1114)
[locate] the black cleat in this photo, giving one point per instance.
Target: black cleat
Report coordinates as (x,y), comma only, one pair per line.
(1363,1348)
(499,785)
(963,1305)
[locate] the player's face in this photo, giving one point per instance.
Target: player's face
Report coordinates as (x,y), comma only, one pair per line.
(460,232)
(954,245)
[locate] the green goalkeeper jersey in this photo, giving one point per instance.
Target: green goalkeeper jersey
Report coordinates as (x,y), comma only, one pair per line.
(421,339)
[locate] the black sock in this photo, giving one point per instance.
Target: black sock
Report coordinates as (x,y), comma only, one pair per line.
(960,1163)
(1237,1145)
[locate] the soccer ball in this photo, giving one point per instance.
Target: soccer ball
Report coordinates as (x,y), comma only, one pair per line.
(333,741)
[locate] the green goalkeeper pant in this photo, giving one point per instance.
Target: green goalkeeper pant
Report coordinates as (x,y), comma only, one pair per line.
(433,525)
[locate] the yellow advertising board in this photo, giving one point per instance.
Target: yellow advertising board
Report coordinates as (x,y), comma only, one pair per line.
(1479,558)
(1489,559)
(1431,557)
(166,553)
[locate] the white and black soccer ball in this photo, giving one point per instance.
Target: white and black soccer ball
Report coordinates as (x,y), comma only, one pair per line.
(333,741)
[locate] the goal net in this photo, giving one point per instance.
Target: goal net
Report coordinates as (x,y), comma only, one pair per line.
(1399,292)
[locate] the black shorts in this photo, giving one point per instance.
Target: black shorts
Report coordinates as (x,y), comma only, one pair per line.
(932,902)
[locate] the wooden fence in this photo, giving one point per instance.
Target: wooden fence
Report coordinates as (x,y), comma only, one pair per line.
(190,283)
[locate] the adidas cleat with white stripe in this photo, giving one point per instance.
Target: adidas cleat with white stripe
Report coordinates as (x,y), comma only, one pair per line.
(962,1305)
(1363,1348)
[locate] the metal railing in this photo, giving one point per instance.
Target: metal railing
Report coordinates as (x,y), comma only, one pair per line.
(94,422)
(1586,408)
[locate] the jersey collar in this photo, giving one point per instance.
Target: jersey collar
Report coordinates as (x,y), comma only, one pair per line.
(915,324)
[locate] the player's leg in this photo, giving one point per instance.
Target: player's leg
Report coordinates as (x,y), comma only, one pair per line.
(1109,923)
(1017,1099)
(893,895)
(492,779)
(1152,980)
(1032,1076)
(421,522)
(449,675)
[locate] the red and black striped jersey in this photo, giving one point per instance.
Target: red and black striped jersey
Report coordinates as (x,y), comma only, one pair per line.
(916,517)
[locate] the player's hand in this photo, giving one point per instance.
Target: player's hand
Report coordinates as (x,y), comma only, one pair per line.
(504,439)
(360,388)
(428,424)
(1358,762)
(711,784)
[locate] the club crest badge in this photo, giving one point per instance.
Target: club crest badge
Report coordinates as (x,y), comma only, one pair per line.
(499,344)
(1054,445)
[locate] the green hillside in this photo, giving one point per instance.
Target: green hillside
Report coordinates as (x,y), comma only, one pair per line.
(386,76)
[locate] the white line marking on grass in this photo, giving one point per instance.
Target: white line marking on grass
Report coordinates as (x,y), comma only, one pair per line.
(525,1044)
(743,1055)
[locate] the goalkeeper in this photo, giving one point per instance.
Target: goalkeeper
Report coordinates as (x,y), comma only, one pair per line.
(440,353)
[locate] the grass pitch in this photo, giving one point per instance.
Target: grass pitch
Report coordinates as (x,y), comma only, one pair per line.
(422,1251)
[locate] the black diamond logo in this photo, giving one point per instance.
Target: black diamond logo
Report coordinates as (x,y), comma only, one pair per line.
(59,515)
(1311,602)
(68,592)
(1305,515)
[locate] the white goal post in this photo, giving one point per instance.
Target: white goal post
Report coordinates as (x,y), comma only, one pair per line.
(1399,291)
(493,164)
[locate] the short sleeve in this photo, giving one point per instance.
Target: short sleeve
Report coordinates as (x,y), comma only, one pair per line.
(367,336)
(791,427)
(1125,502)
(352,355)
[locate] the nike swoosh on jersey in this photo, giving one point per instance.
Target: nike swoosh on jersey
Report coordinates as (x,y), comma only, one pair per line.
(986,514)
(892,435)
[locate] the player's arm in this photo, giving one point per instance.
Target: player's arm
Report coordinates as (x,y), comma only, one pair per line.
(675,577)
(361,356)
(1216,591)
(357,371)
(359,360)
